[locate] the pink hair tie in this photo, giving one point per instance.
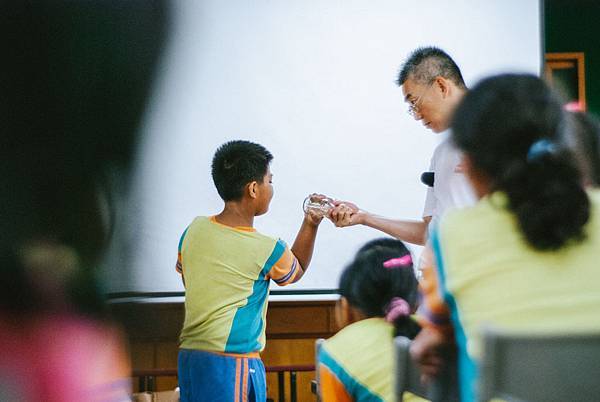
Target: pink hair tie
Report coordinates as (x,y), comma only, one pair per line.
(404,261)
(397,308)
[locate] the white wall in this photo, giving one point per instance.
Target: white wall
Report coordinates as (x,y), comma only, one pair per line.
(313,81)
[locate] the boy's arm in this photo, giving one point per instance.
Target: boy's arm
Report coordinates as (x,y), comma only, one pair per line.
(304,244)
(291,264)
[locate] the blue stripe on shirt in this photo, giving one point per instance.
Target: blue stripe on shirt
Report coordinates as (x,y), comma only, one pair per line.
(276,254)
(247,325)
(355,389)
(467,369)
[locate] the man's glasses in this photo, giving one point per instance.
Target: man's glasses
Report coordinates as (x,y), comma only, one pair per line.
(413,106)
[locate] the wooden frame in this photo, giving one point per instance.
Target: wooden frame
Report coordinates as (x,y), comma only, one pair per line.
(573,91)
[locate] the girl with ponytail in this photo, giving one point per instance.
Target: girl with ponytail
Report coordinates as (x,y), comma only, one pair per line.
(525,257)
(378,297)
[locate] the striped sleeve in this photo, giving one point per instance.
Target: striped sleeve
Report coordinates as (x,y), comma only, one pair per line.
(179,264)
(286,269)
(330,387)
(338,385)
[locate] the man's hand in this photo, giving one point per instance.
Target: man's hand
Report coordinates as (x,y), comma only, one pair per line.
(425,350)
(346,213)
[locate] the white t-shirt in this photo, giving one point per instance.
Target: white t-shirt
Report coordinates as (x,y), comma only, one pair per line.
(451,188)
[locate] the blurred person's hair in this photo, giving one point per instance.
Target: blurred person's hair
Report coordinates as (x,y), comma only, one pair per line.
(371,285)
(237,163)
(583,137)
(75,80)
(510,126)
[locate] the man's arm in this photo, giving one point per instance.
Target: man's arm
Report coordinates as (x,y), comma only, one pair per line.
(412,231)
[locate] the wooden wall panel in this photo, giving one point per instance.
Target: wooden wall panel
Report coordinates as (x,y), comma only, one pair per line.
(166,357)
(292,327)
(281,352)
(297,321)
(142,357)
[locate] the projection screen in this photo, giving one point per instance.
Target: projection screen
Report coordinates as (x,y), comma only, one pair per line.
(313,81)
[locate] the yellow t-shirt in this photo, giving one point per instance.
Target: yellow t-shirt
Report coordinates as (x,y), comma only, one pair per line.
(489,275)
(226,272)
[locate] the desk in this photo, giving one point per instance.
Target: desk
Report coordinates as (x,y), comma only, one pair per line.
(152,328)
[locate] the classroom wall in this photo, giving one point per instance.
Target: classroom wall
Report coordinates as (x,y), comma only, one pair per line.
(572,26)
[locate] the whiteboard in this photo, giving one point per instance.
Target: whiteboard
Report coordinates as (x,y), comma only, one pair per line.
(313,81)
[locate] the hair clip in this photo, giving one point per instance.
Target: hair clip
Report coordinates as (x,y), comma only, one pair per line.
(541,148)
(404,261)
(397,308)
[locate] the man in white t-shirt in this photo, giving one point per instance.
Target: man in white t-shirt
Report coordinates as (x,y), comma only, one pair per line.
(433,86)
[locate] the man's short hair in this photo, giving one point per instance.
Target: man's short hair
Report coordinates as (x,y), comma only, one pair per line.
(426,63)
(237,163)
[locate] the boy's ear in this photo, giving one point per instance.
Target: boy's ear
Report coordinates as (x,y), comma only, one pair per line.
(252,189)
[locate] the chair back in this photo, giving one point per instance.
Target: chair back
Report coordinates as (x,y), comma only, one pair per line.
(444,388)
(408,374)
(318,344)
(535,368)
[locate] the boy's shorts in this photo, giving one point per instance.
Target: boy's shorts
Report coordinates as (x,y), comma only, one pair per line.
(214,377)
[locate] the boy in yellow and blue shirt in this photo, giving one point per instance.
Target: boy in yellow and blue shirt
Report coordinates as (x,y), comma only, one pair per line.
(226,266)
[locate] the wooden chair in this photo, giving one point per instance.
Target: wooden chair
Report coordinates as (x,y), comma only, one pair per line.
(315,383)
(535,368)
(408,376)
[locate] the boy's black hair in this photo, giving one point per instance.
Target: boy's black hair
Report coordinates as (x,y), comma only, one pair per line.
(497,125)
(426,63)
(237,163)
(370,287)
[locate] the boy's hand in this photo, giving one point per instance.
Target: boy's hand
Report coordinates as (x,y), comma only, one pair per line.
(312,217)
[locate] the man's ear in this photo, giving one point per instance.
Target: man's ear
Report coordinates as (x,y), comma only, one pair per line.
(443,85)
(252,189)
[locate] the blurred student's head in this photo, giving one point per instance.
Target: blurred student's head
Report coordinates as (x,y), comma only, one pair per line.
(380,282)
(241,167)
(76,77)
(510,127)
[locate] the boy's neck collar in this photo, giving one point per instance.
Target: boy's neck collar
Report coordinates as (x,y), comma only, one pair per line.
(236,215)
